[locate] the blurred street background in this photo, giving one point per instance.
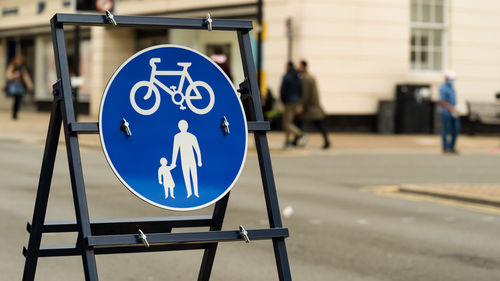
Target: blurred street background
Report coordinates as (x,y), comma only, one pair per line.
(373,207)
(382,203)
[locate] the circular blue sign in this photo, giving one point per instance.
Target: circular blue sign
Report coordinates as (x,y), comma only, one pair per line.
(173,128)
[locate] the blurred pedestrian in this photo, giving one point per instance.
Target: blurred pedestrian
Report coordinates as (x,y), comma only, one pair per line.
(268,103)
(290,96)
(310,107)
(18,83)
(222,61)
(450,119)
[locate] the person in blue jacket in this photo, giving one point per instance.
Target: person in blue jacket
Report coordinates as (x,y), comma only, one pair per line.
(450,119)
(290,93)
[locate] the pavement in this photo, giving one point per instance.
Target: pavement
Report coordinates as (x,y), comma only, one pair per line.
(486,194)
(342,225)
(31,128)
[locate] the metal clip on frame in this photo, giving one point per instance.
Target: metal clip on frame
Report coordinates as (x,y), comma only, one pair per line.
(143,238)
(208,22)
(110,18)
(244,234)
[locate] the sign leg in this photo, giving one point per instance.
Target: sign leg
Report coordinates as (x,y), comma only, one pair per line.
(281,257)
(42,196)
(263,154)
(79,196)
(272,205)
(209,254)
(73,151)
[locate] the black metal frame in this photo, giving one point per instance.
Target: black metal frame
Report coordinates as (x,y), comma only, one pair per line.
(120,235)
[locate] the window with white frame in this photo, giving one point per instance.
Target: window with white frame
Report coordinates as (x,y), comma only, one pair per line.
(428,30)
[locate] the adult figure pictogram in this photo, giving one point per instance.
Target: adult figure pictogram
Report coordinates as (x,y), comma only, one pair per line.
(187,144)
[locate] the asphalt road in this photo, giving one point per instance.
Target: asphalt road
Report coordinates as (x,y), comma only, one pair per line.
(341,229)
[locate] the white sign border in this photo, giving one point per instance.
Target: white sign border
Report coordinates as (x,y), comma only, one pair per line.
(110,81)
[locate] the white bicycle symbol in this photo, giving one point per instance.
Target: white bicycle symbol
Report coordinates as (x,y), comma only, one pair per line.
(153,83)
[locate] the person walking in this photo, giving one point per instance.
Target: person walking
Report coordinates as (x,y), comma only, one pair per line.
(290,96)
(450,119)
(18,83)
(310,107)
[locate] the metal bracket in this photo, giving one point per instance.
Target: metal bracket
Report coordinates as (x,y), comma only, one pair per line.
(208,22)
(143,238)
(57,89)
(244,90)
(244,234)
(110,18)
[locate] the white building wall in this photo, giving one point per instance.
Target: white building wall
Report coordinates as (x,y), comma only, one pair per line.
(357,49)
(275,54)
(198,39)
(474,52)
(28,15)
(158,6)
(111,48)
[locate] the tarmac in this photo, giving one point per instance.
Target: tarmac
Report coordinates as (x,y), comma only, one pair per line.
(31,128)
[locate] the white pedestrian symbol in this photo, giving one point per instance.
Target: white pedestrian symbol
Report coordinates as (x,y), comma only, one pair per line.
(187,143)
(165,177)
(178,97)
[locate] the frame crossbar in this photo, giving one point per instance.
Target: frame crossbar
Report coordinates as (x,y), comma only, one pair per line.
(93,127)
(153,22)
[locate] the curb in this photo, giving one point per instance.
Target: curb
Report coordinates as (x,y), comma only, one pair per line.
(450,194)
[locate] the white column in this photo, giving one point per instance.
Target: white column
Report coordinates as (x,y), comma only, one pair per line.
(110,48)
(5,103)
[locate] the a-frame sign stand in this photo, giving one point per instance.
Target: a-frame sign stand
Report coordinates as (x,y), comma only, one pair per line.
(144,234)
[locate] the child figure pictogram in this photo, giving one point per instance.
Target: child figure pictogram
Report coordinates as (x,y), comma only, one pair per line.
(165,177)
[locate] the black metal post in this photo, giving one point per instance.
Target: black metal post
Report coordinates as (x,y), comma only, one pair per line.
(289,52)
(76,66)
(209,254)
(42,196)
(260,17)
(289,37)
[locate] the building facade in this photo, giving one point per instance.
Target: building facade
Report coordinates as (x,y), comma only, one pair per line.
(359,50)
